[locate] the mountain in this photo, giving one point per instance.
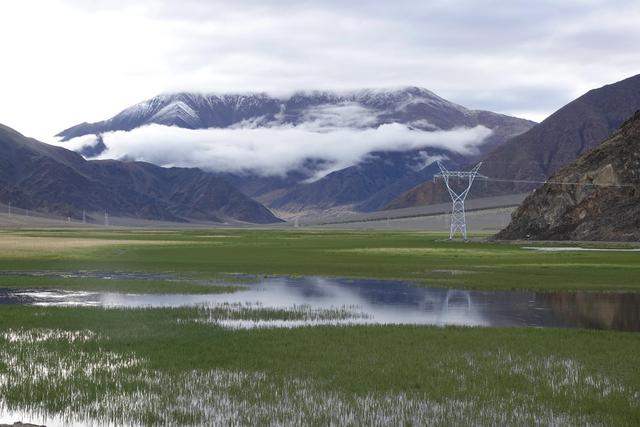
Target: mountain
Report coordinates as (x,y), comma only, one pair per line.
(363,187)
(366,186)
(38,176)
(411,105)
(598,200)
(561,138)
(186,110)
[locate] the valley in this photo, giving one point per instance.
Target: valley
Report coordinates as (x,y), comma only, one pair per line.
(319,213)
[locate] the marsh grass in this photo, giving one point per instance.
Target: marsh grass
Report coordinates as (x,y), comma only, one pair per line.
(146,367)
(254,315)
(255,311)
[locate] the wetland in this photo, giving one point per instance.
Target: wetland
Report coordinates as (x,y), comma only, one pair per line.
(284,327)
(334,301)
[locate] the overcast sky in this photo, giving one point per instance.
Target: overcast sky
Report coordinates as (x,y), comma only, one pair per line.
(68,61)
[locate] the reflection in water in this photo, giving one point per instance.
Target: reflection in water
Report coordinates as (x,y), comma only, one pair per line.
(379,302)
(602,311)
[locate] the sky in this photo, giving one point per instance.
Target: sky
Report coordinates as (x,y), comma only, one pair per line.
(69,61)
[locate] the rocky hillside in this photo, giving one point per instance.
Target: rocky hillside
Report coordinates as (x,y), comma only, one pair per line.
(366,186)
(561,138)
(38,176)
(599,200)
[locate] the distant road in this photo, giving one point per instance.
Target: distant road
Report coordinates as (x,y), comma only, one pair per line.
(485,221)
(418,211)
(490,213)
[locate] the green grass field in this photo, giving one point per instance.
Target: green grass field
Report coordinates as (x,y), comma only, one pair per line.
(428,259)
(164,366)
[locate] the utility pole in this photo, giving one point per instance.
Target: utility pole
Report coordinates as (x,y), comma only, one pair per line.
(106,219)
(9,208)
(458,220)
(84,217)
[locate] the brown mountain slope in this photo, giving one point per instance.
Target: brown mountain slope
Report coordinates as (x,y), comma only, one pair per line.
(38,176)
(606,204)
(558,140)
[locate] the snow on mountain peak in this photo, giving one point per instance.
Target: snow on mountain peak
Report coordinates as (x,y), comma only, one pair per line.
(176,112)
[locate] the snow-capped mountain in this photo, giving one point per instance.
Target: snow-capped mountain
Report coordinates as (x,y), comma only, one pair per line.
(187,110)
(410,105)
(367,185)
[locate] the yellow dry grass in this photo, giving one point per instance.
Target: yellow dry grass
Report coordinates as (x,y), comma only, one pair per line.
(15,244)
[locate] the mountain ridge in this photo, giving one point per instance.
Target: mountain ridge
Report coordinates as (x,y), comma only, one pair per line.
(38,176)
(195,110)
(559,139)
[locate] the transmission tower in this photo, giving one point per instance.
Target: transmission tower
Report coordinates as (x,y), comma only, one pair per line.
(458,221)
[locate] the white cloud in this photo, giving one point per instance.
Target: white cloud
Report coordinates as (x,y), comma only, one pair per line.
(276,150)
(347,114)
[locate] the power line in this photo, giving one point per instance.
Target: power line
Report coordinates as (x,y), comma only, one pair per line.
(585,184)
(458,220)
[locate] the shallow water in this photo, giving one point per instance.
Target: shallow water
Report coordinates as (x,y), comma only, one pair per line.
(577,249)
(209,395)
(376,302)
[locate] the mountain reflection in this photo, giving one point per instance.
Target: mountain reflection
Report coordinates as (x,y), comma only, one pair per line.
(382,302)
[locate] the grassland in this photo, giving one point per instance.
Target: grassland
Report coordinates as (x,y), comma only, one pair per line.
(148,367)
(427,259)
(165,366)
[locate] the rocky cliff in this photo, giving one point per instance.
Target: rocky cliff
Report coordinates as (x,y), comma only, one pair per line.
(597,197)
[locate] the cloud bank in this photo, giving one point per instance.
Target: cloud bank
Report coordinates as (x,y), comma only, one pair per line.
(273,151)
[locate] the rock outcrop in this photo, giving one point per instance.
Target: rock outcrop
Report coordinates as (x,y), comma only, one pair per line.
(597,197)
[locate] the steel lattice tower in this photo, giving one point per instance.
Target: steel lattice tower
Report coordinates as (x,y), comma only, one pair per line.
(458,220)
